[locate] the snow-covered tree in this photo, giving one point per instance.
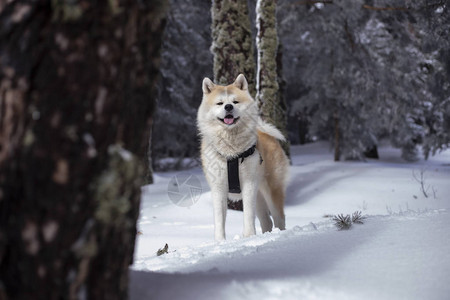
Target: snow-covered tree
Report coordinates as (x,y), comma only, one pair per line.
(368,72)
(372,70)
(433,29)
(407,54)
(335,75)
(185,61)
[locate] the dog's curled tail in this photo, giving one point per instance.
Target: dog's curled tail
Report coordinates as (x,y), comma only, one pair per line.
(270,130)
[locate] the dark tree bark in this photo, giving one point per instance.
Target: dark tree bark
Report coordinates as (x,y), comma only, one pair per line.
(232,48)
(232,45)
(76,81)
(267,47)
(282,102)
(337,137)
(372,152)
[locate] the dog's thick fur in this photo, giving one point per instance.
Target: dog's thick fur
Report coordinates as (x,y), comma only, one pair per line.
(229,124)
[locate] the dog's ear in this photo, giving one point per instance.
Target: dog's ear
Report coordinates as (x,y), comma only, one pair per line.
(207,85)
(241,82)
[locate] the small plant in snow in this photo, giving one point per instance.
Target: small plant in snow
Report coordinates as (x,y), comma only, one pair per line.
(342,222)
(357,217)
(425,188)
(345,222)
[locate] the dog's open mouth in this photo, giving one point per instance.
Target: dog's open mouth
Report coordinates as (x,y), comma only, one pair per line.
(229,120)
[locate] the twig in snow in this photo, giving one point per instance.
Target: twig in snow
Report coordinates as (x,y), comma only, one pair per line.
(421,180)
(434,192)
(163,250)
(423,186)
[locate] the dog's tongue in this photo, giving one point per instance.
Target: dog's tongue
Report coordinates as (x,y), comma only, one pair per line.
(228,120)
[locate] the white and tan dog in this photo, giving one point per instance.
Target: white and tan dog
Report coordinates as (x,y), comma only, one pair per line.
(230,126)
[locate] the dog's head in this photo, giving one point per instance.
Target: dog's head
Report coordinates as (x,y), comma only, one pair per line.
(228,106)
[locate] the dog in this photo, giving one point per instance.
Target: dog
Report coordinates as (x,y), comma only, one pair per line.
(241,157)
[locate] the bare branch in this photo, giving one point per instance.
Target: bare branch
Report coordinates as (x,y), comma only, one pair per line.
(378,8)
(312,2)
(349,36)
(404,8)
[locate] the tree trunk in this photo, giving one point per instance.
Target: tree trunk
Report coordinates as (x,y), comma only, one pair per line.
(232,45)
(337,138)
(232,48)
(75,109)
(268,76)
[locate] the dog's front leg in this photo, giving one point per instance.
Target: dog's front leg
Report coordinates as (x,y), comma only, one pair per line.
(220,213)
(249,193)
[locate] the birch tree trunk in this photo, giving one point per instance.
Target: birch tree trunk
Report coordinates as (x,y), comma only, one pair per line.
(76,80)
(232,45)
(268,94)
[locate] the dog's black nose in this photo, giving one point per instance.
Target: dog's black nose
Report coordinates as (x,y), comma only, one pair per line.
(228,107)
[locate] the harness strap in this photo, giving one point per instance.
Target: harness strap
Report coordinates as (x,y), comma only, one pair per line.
(234,186)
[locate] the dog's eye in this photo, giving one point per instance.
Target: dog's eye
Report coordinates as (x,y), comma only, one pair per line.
(220,103)
(235,102)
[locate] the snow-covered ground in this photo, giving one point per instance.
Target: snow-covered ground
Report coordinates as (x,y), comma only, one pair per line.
(402,251)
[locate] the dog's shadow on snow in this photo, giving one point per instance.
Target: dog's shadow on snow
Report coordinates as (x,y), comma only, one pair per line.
(304,185)
(285,259)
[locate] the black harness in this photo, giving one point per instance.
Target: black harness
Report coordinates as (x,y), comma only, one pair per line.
(234,186)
